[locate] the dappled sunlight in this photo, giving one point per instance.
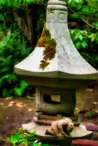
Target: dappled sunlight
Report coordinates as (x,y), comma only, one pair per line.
(11,103)
(9,98)
(3,106)
(30,109)
(16,103)
(1,103)
(20,104)
(90,90)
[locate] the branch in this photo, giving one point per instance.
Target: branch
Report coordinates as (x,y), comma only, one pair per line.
(89,24)
(85,21)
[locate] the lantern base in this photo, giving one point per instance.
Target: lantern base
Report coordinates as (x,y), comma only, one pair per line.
(79,132)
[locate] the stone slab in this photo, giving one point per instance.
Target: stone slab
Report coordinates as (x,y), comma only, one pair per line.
(78,132)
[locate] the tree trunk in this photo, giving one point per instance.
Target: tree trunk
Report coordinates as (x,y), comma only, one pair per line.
(30,23)
(21,23)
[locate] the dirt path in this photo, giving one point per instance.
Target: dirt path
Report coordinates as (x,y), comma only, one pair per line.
(13,113)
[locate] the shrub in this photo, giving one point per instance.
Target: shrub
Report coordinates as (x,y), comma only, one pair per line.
(13,49)
(86,43)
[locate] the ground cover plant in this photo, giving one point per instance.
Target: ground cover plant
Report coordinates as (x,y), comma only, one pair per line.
(26,139)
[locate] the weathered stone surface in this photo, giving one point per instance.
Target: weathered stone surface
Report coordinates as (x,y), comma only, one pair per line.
(78,132)
(67,63)
(64,107)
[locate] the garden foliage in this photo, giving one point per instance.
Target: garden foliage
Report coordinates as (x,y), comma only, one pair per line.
(13,49)
(18,3)
(25,139)
(87,45)
(85,32)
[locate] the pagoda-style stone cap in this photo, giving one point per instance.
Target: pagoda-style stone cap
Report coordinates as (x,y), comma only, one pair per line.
(66,62)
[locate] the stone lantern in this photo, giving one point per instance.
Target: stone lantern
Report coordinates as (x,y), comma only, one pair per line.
(56,69)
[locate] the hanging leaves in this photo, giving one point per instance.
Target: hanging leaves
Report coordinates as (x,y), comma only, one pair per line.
(18,3)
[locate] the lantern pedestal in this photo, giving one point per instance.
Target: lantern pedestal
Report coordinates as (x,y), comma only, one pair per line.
(79,132)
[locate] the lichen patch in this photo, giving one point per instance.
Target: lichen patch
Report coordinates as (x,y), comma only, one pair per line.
(49,44)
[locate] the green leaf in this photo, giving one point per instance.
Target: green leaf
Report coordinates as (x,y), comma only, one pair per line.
(32,134)
(75,15)
(5,92)
(90,114)
(15,139)
(95,24)
(23,84)
(45,145)
(78,45)
(5,70)
(85,9)
(19,91)
(36,144)
(80,37)
(84,44)
(92,37)
(7,77)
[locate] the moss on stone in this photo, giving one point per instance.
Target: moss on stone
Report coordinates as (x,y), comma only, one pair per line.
(50,47)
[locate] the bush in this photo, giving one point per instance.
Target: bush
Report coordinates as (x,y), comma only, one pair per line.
(13,49)
(86,43)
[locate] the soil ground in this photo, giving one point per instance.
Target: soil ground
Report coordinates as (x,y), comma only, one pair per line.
(14,112)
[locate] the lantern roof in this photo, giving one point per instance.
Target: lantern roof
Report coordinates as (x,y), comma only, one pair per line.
(55,55)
